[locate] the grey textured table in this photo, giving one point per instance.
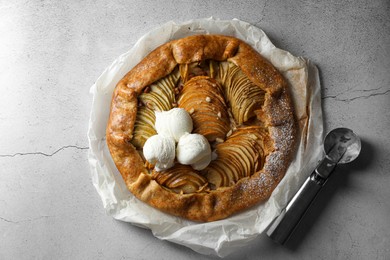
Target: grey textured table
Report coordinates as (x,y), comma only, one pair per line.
(51,52)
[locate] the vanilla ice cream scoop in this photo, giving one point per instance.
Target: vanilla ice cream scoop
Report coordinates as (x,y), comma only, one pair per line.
(174,122)
(160,151)
(194,150)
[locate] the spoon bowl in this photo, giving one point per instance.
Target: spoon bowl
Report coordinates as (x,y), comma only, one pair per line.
(346,144)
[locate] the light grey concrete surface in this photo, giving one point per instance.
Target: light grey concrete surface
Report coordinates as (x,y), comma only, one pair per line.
(51,52)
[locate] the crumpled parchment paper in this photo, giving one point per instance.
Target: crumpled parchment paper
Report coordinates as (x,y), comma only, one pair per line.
(225,236)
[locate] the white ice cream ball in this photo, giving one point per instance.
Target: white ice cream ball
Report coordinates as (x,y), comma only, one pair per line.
(160,150)
(194,150)
(174,123)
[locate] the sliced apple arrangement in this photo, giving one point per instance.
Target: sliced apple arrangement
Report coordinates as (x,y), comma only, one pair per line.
(181,179)
(160,96)
(239,156)
(143,126)
(202,97)
(244,96)
(222,102)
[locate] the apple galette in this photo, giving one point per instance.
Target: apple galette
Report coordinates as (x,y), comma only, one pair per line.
(240,108)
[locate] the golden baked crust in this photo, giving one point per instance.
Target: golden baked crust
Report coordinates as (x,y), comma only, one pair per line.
(275,115)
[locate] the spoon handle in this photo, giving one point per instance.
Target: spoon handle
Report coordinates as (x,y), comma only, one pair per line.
(284,225)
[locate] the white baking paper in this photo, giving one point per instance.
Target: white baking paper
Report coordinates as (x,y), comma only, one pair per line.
(225,236)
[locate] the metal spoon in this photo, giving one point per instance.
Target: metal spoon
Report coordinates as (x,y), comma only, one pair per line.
(341,146)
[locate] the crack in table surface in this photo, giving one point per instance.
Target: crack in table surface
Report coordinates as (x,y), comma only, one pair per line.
(45,154)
